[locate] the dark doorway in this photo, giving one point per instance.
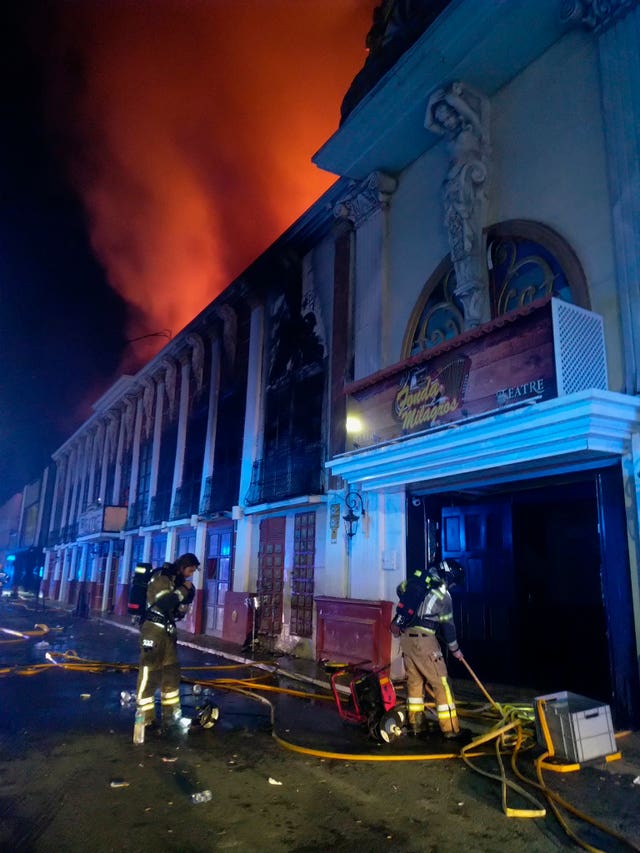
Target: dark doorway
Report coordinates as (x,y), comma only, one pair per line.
(531,612)
(561,627)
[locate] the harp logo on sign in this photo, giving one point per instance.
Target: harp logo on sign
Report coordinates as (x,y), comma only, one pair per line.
(425,397)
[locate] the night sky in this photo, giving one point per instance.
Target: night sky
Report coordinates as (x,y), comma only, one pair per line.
(150,150)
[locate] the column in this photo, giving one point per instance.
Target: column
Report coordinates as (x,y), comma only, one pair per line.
(60,469)
(251,444)
(41,506)
(108,569)
(135,456)
(212,421)
(122,585)
(58,569)
(70,497)
(366,207)
(83,475)
(109,429)
(183,413)
(93,464)
(617,27)
(631,480)
(117,480)
(157,439)
(67,563)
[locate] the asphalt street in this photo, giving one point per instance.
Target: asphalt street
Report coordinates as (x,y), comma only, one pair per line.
(71,778)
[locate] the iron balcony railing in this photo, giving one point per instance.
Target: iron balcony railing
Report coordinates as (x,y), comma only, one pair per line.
(220,490)
(286,474)
(69,533)
(54,538)
(158,508)
(135,515)
(186,500)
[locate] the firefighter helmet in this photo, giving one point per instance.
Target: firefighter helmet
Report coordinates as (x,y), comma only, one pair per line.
(449,572)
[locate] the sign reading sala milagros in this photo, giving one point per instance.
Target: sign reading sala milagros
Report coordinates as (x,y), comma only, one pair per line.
(504,363)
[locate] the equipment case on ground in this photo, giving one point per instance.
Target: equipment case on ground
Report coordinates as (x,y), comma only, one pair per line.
(580,728)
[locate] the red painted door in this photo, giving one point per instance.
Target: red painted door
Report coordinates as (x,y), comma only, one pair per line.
(271,575)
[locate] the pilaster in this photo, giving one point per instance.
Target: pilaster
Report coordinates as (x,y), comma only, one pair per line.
(212,418)
(366,208)
(253,422)
(616,24)
(183,413)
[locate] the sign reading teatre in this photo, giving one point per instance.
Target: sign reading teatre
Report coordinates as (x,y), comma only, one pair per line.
(505,363)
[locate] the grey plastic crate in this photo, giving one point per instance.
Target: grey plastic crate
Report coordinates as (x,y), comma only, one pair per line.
(580,728)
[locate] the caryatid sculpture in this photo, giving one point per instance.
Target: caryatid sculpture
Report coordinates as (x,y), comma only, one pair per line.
(462,116)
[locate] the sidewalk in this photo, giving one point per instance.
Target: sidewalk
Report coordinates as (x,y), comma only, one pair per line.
(297,668)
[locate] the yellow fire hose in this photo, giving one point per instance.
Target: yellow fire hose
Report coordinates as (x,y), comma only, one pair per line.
(510,733)
(483,690)
(21,636)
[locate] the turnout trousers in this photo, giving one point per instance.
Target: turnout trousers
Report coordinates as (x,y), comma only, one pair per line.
(158,670)
(424,665)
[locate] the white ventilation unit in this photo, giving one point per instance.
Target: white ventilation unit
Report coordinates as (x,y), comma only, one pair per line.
(580,355)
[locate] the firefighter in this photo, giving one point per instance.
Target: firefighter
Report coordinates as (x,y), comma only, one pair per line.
(423,612)
(169,594)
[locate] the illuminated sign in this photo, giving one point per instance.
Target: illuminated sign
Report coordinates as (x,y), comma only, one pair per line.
(425,398)
(493,368)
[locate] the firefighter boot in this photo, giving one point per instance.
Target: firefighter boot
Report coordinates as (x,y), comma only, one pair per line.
(177,723)
(415,722)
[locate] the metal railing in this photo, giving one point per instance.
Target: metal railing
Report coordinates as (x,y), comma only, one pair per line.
(286,474)
(135,515)
(186,500)
(221,490)
(158,508)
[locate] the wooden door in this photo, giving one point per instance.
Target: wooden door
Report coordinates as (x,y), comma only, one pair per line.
(480,538)
(217,579)
(271,575)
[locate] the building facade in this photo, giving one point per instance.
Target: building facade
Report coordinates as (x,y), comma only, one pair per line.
(440,358)
(495,186)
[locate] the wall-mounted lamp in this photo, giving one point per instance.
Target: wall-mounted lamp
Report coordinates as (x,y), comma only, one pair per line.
(355,511)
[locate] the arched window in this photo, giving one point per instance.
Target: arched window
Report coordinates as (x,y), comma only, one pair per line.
(526,261)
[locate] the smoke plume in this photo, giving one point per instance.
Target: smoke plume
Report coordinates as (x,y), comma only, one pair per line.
(188,128)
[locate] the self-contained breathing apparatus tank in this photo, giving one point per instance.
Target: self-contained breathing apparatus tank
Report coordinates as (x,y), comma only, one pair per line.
(412,591)
(137,603)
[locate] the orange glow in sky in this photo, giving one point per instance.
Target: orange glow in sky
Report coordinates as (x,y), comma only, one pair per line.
(190,128)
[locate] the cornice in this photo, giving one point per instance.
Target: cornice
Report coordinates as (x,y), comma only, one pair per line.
(596,15)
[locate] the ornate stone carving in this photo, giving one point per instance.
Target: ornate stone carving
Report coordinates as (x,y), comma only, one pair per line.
(594,14)
(197,360)
(462,117)
(111,437)
(128,417)
(365,197)
(171,372)
(229,332)
(100,430)
(62,465)
(147,404)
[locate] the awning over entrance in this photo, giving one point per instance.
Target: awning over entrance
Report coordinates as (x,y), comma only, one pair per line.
(584,430)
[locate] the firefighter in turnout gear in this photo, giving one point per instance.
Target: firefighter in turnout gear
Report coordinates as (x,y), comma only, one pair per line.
(423,613)
(169,594)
